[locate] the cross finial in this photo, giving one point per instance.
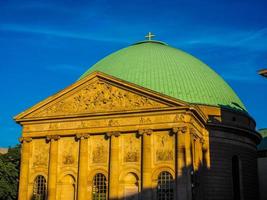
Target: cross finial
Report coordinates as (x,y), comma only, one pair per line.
(149,36)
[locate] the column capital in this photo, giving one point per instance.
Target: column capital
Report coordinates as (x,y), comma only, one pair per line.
(50,138)
(82,136)
(113,133)
(25,139)
(178,130)
(145,132)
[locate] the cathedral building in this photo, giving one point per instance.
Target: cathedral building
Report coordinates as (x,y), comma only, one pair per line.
(146,122)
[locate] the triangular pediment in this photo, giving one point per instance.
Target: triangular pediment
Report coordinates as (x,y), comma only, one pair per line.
(97,93)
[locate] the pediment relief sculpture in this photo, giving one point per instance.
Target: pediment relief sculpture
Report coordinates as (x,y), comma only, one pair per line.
(98,97)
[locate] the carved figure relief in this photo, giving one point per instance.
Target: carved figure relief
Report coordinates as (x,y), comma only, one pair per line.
(131,148)
(69,149)
(54,126)
(40,153)
(179,117)
(145,120)
(113,122)
(100,150)
(82,124)
(164,147)
(68,158)
(99,97)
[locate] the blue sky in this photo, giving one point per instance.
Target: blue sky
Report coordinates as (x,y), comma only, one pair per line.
(46,45)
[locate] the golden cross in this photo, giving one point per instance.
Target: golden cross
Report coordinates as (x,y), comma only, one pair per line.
(150,35)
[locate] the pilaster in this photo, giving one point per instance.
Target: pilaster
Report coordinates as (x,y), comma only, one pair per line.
(146,164)
(114,165)
(83,166)
(24,167)
(52,170)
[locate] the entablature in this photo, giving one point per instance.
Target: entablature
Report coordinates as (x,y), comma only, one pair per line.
(158,120)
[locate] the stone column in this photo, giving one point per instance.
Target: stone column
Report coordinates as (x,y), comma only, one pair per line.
(183,163)
(114,165)
(52,170)
(83,166)
(24,167)
(146,164)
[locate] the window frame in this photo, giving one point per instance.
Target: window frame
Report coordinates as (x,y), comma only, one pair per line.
(99,187)
(165,186)
(40,188)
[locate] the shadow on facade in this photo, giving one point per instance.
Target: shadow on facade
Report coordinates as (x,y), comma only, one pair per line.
(187,186)
(228,172)
(233,155)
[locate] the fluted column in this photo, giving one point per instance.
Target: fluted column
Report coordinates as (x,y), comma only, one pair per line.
(83,166)
(24,168)
(52,170)
(146,164)
(114,165)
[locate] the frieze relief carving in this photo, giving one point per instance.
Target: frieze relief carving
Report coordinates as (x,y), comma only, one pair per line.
(99,97)
(145,120)
(100,150)
(40,153)
(131,148)
(53,126)
(113,122)
(82,124)
(179,118)
(164,147)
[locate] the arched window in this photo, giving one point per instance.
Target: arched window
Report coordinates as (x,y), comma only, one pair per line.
(67,188)
(39,189)
(99,187)
(236,177)
(165,188)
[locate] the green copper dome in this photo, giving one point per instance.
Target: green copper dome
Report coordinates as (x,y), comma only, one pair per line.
(164,69)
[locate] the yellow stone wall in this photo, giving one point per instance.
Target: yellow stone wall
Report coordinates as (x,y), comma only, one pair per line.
(124,158)
(130,136)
